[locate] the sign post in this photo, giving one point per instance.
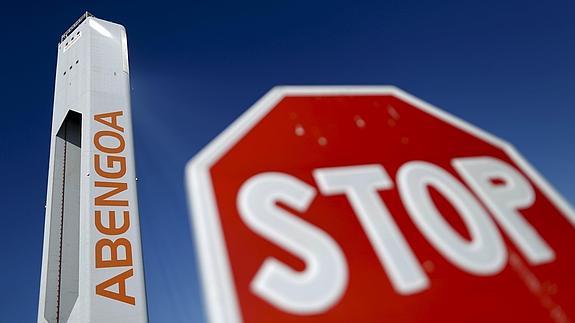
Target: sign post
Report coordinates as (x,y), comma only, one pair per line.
(366,204)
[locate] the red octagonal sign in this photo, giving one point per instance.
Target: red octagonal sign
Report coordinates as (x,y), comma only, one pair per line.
(365,204)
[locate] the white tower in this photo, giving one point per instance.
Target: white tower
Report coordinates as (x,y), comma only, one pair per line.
(92,267)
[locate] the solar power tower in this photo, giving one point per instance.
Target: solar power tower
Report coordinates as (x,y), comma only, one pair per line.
(92,267)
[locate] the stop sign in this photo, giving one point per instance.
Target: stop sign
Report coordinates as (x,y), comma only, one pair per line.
(365,204)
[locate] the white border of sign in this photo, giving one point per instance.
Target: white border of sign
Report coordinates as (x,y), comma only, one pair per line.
(218,287)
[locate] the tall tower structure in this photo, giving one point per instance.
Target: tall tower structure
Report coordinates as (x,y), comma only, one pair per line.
(92,268)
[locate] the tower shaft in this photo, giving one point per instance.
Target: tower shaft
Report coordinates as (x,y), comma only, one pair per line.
(92,268)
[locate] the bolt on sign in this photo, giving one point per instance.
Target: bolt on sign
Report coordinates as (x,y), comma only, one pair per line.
(366,204)
(92,268)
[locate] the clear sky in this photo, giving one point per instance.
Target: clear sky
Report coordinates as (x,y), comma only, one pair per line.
(506,66)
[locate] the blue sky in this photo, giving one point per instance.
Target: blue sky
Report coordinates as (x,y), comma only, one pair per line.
(506,66)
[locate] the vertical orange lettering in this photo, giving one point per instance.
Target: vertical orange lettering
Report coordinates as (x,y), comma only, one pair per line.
(120,280)
(109,150)
(112,229)
(113,116)
(104,199)
(110,160)
(113,245)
